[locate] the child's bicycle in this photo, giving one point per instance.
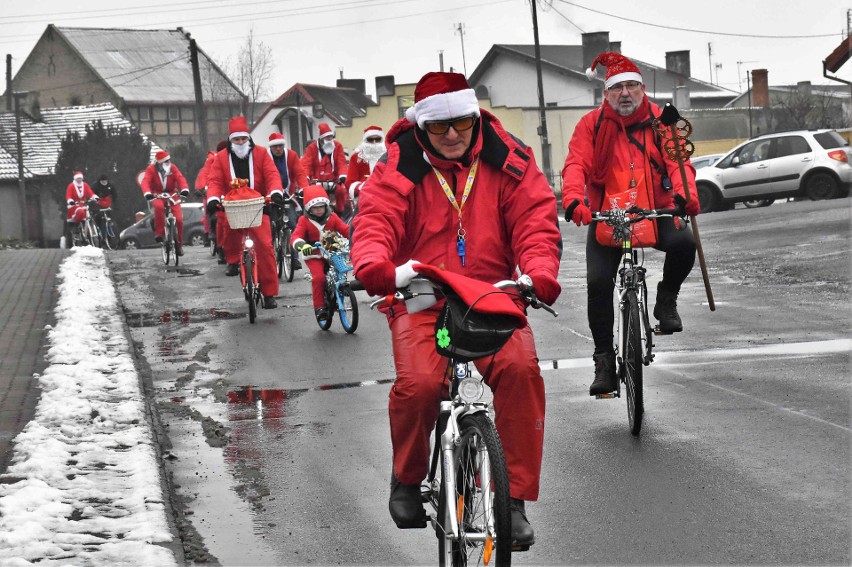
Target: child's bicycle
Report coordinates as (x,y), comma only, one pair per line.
(339,295)
(635,337)
(242,215)
(467,486)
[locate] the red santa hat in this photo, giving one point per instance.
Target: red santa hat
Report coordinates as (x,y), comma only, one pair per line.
(442,96)
(276,139)
(371,131)
(78,175)
(162,156)
(325,130)
(237,127)
(618,68)
(315,195)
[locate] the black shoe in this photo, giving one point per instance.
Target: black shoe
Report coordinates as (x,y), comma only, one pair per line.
(406,505)
(158,239)
(232,270)
(523,535)
(297,265)
(606,379)
(322,314)
(179,251)
(269,302)
(665,310)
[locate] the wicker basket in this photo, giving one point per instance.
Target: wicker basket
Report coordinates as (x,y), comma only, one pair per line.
(246,213)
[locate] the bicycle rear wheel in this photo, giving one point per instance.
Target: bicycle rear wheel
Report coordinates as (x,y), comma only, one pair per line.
(633,363)
(481,499)
(347,308)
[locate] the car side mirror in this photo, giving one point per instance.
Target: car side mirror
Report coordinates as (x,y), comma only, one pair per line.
(736,161)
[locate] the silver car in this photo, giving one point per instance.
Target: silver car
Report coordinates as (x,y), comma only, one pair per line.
(808,163)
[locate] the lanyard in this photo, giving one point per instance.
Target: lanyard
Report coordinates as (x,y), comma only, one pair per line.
(460,241)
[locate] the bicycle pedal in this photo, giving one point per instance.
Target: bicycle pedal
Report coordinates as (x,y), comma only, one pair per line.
(658,331)
(520,548)
(607,396)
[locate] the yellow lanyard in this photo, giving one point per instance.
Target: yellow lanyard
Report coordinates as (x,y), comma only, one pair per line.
(460,241)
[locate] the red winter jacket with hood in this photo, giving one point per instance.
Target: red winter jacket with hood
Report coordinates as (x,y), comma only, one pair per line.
(509,218)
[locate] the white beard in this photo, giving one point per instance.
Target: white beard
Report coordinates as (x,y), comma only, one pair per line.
(241,150)
(371,153)
(78,185)
(167,168)
(328,147)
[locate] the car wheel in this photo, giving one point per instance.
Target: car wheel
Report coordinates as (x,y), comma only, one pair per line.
(196,239)
(707,198)
(130,244)
(755,203)
(821,186)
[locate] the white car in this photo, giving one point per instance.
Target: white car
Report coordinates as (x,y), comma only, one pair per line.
(704,161)
(808,163)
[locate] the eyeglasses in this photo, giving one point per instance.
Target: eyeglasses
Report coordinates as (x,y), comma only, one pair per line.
(632,86)
(458,124)
(374,139)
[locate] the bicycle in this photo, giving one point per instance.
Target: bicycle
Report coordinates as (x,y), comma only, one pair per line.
(281,234)
(107,230)
(472,523)
(242,215)
(85,232)
(339,295)
(170,244)
(635,337)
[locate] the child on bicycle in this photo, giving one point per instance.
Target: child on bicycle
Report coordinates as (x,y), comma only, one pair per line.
(317,217)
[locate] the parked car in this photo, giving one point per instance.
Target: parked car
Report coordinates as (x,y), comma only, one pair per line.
(141,233)
(814,164)
(704,161)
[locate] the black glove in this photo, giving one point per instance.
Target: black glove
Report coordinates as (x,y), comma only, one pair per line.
(199,193)
(149,196)
(278,199)
(341,179)
(185,193)
(213,207)
(680,202)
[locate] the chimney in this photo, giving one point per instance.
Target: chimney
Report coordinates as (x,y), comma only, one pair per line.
(803,88)
(678,62)
(359,85)
(760,87)
(680,97)
(594,44)
(385,86)
(615,46)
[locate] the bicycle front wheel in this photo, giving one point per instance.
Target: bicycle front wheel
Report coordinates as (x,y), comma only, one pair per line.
(175,243)
(288,259)
(250,292)
(92,234)
(480,500)
(633,362)
(111,235)
(347,308)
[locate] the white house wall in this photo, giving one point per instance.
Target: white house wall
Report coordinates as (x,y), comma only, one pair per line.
(513,83)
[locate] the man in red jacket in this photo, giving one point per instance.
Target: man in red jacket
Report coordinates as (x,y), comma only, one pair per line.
(289,166)
(325,160)
(411,210)
(613,151)
(164,177)
(364,160)
(242,159)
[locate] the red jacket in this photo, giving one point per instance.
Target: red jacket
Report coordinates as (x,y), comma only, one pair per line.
(201,178)
(73,194)
(323,168)
(357,174)
(308,231)
(578,164)
(265,179)
(153,183)
(509,217)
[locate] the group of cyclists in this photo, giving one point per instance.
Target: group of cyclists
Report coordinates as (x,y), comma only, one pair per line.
(83,200)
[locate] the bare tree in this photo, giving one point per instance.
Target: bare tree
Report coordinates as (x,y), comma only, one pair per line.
(804,109)
(254,71)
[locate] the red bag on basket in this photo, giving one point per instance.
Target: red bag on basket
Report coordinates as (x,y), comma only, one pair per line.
(619,195)
(240,191)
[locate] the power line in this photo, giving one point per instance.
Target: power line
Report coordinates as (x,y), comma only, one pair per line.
(564,17)
(754,36)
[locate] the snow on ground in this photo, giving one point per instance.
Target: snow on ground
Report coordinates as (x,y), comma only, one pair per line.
(83,486)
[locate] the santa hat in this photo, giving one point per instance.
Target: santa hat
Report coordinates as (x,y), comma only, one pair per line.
(618,68)
(162,156)
(237,127)
(324,130)
(78,175)
(276,139)
(315,195)
(371,131)
(442,96)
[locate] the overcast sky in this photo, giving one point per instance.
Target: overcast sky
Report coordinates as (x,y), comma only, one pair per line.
(316,41)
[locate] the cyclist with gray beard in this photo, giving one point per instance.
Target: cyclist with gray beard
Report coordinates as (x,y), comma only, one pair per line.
(363,160)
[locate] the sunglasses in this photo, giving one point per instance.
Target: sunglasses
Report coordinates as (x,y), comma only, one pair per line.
(374,140)
(458,124)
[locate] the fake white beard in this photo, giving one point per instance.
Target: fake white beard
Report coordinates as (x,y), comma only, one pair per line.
(371,152)
(167,168)
(78,184)
(241,150)
(328,147)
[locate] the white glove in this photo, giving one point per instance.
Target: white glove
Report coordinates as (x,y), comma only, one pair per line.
(405,273)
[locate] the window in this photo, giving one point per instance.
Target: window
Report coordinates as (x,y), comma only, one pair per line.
(830,140)
(174,113)
(755,151)
(144,113)
(791,146)
(403,103)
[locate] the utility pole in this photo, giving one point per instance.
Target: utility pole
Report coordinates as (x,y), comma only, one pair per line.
(9,82)
(542,129)
(748,83)
(460,30)
(739,79)
(710,58)
(718,66)
(21,185)
(200,111)
(441,60)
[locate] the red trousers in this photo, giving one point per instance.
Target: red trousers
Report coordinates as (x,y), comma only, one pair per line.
(514,377)
(267,268)
(220,228)
(160,219)
(318,267)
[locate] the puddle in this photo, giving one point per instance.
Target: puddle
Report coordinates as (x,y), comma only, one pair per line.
(137,319)
(182,272)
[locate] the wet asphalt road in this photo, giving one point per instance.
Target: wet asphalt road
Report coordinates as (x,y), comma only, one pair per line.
(277,436)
